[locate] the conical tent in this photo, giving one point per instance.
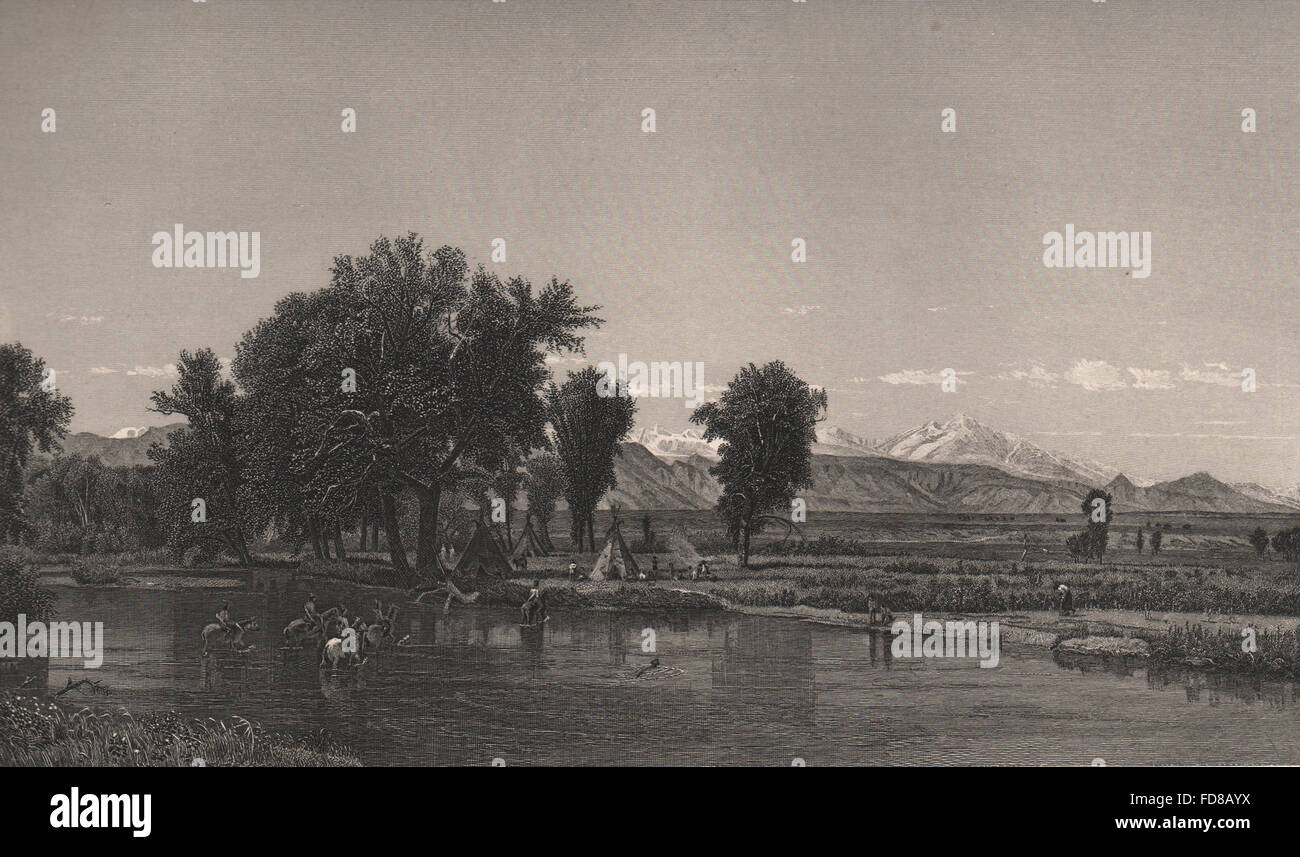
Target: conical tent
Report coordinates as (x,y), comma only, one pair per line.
(484,549)
(615,561)
(529,544)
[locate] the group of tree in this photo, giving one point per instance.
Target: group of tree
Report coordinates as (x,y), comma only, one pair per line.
(1286,543)
(409,376)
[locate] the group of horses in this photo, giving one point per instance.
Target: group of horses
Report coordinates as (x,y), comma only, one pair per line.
(334,635)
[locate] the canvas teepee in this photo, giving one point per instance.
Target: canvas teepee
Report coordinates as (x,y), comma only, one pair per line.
(484,549)
(615,561)
(529,544)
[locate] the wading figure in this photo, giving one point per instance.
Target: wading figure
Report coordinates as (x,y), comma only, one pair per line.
(534,609)
(228,637)
(1067,600)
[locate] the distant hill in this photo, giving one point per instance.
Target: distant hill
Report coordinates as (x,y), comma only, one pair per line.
(118,450)
(965,440)
(911,472)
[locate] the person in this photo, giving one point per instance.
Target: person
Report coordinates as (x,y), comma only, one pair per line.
(522,563)
(532,607)
(1067,600)
(309,612)
(223,617)
(654,567)
(704,570)
(573,570)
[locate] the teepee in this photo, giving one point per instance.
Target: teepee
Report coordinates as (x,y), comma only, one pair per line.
(484,549)
(615,561)
(529,544)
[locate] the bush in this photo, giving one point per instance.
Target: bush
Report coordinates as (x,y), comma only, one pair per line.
(90,572)
(20,590)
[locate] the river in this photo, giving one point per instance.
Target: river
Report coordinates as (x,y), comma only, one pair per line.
(732,689)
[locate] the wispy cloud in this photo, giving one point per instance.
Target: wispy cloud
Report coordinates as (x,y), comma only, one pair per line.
(802,309)
(918,376)
(1152,379)
(1212,373)
(1095,375)
(1035,375)
(168,370)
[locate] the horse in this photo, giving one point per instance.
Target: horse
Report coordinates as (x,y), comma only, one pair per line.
(300,632)
(215,636)
(368,640)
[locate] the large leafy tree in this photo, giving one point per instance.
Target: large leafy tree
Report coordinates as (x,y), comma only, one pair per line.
(202,460)
(32,415)
(767,422)
(588,420)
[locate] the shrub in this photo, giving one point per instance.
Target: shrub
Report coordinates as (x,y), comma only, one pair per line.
(89,571)
(20,590)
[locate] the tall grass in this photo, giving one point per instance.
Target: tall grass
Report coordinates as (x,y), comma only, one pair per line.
(35,732)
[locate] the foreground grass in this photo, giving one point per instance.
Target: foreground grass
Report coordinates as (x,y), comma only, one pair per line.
(37,732)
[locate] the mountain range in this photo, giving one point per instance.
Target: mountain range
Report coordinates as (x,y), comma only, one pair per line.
(960,465)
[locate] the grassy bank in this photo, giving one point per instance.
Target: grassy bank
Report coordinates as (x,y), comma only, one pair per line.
(37,732)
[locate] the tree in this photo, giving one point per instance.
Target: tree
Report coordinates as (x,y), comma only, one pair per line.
(1141,540)
(767,421)
(544,485)
(201,461)
(1259,541)
(588,419)
(32,414)
(1098,513)
(1156,538)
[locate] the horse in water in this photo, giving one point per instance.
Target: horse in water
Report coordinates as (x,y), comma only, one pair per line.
(217,637)
(300,632)
(365,642)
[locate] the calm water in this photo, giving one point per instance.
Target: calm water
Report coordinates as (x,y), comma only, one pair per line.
(732,689)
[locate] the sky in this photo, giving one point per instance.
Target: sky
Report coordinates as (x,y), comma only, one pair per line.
(774,121)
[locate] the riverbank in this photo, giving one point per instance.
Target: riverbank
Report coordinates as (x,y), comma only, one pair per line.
(38,732)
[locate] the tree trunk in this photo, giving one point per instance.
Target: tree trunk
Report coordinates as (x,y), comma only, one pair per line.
(374,536)
(340,552)
(591,529)
(362,533)
(744,546)
(313,531)
(544,535)
(426,553)
(396,552)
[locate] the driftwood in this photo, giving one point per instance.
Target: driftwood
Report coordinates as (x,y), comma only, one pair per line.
(445,585)
(95,686)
